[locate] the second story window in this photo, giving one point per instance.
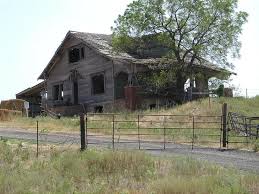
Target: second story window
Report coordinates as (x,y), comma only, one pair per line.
(76,54)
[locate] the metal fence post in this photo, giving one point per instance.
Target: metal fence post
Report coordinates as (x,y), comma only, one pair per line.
(82,132)
(224,125)
(164,132)
(220,137)
(113,131)
(138,134)
(192,131)
(37,154)
(246,130)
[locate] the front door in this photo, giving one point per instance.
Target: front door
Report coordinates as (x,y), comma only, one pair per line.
(75,92)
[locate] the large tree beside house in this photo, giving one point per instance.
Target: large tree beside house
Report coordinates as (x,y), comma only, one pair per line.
(191,32)
(85,74)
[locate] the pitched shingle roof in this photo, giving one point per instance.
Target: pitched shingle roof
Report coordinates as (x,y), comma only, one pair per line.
(101,43)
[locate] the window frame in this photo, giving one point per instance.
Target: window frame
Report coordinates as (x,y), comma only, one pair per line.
(60,91)
(92,85)
(81,48)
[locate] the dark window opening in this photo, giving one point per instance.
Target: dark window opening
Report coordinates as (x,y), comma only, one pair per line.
(76,54)
(98,109)
(75,92)
(61,94)
(98,84)
(152,106)
(55,92)
(58,92)
(82,53)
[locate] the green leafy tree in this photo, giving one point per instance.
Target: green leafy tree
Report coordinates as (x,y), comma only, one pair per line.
(193,30)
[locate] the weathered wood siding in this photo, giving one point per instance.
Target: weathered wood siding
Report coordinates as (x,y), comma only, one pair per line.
(91,64)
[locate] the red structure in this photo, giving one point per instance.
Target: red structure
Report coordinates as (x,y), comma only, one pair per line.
(131,97)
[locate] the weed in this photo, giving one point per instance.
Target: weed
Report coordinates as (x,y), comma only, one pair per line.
(255,145)
(103,171)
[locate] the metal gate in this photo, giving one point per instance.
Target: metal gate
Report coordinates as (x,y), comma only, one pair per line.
(146,131)
(242,129)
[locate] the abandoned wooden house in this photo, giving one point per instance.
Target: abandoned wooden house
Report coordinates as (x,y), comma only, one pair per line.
(85,74)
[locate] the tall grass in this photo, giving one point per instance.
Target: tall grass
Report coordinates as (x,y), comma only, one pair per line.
(102,171)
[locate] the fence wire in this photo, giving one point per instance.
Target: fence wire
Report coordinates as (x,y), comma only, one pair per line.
(242,129)
(144,131)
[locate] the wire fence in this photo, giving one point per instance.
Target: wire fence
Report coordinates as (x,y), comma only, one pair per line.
(149,132)
(61,141)
(129,131)
(242,129)
(144,131)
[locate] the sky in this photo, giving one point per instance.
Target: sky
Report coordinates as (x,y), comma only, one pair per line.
(31,31)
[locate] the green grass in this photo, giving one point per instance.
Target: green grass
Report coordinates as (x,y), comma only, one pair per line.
(103,171)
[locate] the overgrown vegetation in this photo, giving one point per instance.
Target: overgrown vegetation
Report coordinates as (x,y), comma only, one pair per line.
(186,34)
(102,171)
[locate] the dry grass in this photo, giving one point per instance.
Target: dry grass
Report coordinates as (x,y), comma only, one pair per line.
(102,171)
(203,125)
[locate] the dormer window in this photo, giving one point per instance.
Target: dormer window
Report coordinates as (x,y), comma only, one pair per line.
(76,54)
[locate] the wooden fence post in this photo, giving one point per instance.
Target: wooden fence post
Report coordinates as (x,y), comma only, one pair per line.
(82,132)
(224,125)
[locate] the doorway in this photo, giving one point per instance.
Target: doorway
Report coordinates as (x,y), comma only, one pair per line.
(75,92)
(121,80)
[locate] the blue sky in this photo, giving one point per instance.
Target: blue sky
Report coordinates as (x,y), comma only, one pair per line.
(32,30)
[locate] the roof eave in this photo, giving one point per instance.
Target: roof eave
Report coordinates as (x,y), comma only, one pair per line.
(38,86)
(50,64)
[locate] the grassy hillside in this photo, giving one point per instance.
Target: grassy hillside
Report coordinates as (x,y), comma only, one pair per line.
(249,107)
(102,171)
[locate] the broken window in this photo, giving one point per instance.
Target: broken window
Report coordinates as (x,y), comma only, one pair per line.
(58,92)
(98,84)
(76,54)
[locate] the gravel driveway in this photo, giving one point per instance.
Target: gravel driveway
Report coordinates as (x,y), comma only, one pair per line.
(243,160)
